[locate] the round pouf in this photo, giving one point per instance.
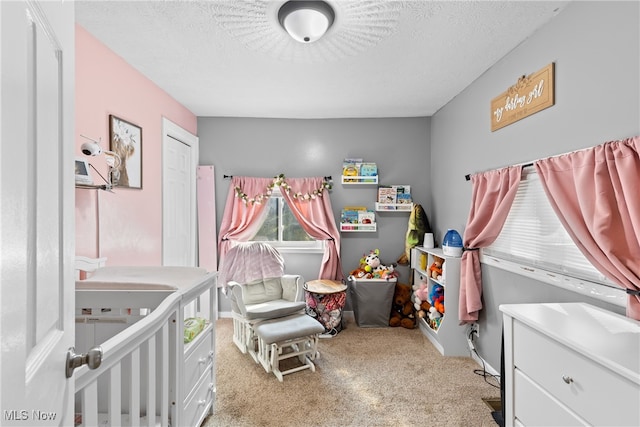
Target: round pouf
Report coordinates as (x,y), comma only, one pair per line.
(325,300)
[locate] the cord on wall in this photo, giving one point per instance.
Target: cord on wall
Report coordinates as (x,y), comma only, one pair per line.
(473,333)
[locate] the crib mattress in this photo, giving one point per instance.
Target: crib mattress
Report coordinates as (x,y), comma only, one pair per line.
(151,278)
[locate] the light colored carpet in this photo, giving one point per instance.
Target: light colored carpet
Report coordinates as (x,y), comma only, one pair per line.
(364,377)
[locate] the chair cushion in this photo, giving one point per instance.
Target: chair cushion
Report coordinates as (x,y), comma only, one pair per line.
(288,328)
(262,291)
(273,309)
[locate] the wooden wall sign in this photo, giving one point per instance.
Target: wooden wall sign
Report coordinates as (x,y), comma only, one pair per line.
(529,95)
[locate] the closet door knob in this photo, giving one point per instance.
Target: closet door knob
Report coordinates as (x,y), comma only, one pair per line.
(567,379)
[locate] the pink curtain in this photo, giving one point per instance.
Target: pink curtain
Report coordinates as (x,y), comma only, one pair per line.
(493,194)
(596,195)
(316,218)
(241,220)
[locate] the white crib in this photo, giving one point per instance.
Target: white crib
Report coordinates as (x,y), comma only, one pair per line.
(148,375)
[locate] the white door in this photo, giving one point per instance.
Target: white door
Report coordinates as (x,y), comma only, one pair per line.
(36,211)
(179,214)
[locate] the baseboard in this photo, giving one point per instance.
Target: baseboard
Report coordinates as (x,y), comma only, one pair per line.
(347,316)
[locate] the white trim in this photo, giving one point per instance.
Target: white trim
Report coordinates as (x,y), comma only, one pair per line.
(594,290)
(172,130)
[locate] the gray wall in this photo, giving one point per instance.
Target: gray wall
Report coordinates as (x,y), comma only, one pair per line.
(595,48)
(297,148)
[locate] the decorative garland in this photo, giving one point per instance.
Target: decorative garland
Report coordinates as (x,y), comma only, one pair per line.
(279,181)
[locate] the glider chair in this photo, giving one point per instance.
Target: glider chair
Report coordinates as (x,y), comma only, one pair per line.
(260,300)
(268,308)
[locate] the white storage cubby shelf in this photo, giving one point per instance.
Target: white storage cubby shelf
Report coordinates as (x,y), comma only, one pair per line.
(449,336)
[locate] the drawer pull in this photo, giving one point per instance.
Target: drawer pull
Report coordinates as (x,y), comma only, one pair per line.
(204,360)
(567,379)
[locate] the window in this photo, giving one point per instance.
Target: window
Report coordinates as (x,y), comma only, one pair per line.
(533,242)
(282,230)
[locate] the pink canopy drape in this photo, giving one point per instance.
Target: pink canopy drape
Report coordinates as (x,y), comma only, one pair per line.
(493,195)
(596,195)
(315,215)
(241,220)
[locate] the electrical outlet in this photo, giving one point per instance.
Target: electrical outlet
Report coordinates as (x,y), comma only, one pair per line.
(475,330)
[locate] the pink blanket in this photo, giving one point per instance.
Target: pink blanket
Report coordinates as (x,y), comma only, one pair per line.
(249,261)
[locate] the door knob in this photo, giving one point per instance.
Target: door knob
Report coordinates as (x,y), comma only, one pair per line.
(92,358)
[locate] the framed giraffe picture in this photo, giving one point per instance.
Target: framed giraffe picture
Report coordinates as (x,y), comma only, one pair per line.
(125,141)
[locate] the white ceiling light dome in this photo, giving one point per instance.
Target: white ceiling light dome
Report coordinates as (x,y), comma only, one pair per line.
(306,21)
(357,26)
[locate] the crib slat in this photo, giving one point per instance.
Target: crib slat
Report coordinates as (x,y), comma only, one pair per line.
(90,404)
(164,375)
(151,381)
(115,395)
(134,387)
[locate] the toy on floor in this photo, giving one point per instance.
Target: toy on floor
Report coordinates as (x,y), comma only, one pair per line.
(402,312)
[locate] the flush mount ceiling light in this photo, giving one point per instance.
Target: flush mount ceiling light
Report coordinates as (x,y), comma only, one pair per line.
(305,20)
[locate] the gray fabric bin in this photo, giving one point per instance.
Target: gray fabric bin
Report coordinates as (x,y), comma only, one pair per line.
(371,300)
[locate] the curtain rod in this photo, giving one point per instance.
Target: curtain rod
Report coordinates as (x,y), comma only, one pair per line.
(468,176)
(328,178)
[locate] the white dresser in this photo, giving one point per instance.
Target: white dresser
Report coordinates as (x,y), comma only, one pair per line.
(570,364)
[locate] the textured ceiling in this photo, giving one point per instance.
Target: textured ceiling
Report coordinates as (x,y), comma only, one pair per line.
(381,58)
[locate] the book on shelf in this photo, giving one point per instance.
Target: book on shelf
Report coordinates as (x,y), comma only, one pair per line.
(387,194)
(366,217)
(350,214)
(403,198)
(357,215)
(368,169)
(394,194)
(351,167)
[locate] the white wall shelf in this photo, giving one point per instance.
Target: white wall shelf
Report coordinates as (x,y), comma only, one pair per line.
(394,207)
(358,227)
(360,180)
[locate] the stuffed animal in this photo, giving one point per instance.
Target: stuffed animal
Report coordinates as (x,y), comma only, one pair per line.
(435,270)
(371,261)
(421,298)
(436,298)
(402,312)
(360,273)
(371,264)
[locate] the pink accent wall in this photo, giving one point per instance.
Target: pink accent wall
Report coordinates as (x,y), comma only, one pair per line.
(125,226)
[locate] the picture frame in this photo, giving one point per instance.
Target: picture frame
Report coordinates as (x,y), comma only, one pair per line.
(125,140)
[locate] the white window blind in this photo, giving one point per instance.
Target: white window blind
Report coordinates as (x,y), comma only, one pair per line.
(281,229)
(533,236)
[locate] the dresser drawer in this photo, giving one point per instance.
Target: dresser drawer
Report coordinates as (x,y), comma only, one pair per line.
(198,360)
(584,386)
(535,407)
(200,400)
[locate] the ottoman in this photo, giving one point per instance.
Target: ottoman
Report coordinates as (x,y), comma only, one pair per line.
(297,333)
